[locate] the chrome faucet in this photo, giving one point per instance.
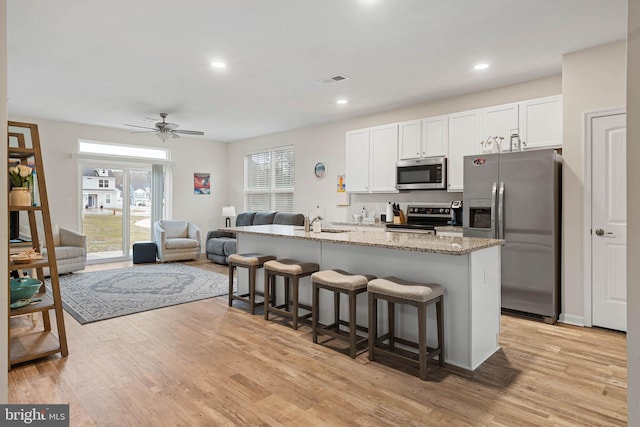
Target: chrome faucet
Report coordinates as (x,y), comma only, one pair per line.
(308,224)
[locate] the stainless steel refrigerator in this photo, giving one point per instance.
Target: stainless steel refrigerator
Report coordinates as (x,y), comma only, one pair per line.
(516,197)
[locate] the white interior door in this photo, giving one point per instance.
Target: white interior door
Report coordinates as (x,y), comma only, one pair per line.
(609,222)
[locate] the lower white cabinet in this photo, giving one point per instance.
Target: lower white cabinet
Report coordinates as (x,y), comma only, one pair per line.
(370,159)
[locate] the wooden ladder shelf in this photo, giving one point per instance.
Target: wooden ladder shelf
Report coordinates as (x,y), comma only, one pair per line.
(24,147)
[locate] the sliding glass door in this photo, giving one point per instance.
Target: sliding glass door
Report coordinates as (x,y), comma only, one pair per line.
(116,210)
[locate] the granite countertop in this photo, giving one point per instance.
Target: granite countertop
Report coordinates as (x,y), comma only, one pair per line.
(449,228)
(418,242)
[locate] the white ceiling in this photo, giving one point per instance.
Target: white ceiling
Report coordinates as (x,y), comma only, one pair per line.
(113,62)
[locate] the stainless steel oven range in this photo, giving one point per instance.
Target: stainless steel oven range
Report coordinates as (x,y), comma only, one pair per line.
(424,217)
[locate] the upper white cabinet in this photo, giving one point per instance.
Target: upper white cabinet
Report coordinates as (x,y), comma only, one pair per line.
(464,140)
(423,138)
(541,122)
(384,154)
(370,159)
(371,154)
(356,166)
(500,121)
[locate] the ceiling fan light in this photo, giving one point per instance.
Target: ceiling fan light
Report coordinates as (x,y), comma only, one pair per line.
(163,136)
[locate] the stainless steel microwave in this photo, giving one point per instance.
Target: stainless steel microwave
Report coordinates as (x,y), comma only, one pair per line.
(428,173)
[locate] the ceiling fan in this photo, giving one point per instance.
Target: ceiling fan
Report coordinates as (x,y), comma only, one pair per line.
(166,130)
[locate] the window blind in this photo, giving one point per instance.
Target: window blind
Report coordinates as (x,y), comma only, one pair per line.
(269,180)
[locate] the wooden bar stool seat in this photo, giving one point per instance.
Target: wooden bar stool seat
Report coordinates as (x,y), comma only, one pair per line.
(339,282)
(292,271)
(252,262)
(419,295)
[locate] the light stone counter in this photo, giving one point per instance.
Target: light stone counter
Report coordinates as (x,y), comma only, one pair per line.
(418,242)
(469,270)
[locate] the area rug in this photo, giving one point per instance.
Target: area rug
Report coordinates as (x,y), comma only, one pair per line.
(99,295)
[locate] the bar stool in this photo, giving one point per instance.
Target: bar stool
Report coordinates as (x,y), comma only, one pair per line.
(291,271)
(419,295)
(252,262)
(339,282)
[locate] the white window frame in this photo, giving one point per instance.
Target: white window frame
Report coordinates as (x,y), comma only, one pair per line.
(272,189)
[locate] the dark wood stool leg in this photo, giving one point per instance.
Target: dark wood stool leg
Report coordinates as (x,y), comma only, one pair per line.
(267,288)
(287,294)
(373,323)
(336,309)
(314,309)
(391,309)
(294,284)
(231,266)
(440,320)
(352,324)
(252,289)
(422,339)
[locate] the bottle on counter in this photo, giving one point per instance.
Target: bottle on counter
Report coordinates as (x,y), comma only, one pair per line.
(363,213)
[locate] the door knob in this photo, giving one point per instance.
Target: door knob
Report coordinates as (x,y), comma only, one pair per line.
(600,232)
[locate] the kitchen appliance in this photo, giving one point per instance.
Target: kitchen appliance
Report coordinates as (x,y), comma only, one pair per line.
(423,218)
(429,173)
(456,212)
(516,197)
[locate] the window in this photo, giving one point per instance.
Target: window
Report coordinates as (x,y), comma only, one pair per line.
(269,178)
(103,183)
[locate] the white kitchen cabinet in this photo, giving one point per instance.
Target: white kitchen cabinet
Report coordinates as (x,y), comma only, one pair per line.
(370,159)
(410,139)
(464,140)
(356,166)
(499,121)
(541,122)
(423,138)
(383,157)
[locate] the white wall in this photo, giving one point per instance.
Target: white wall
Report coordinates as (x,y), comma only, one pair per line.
(4,238)
(326,143)
(60,139)
(592,80)
(633,204)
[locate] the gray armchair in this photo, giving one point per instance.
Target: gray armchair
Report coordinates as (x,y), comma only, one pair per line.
(176,240)
(70,249)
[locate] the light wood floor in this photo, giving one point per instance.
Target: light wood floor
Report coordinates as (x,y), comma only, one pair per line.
(204,363)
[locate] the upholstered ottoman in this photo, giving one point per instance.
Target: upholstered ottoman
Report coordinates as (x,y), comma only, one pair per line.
(144,252)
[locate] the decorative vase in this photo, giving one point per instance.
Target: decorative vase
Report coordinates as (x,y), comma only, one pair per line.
(20,196)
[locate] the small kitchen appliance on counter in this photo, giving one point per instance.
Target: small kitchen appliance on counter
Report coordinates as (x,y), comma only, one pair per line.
(423,218)
(456,212)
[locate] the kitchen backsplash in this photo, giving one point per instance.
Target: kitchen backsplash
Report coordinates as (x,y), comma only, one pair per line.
(376,204)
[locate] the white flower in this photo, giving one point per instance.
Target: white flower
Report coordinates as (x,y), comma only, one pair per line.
(25,171)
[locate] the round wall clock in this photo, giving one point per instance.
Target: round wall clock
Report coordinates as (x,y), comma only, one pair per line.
(320,170)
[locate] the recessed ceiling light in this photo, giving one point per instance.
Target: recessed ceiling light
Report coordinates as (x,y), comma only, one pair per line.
(341,101)
(218,64)
(482,66)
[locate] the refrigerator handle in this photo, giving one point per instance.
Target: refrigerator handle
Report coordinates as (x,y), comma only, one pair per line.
(494,194)
(501,211)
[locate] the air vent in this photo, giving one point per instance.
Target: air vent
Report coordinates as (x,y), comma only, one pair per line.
(333,79)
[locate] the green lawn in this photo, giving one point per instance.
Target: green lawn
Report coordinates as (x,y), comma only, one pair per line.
(104,232)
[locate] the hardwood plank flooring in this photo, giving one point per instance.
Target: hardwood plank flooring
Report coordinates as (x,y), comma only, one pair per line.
(204,363)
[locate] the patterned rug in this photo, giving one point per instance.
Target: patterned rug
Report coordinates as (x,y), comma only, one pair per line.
(99,295)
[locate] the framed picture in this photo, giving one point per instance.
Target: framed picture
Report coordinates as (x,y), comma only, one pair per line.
(201,183)
(320,170)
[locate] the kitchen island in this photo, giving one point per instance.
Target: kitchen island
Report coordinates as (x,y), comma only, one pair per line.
(468,268)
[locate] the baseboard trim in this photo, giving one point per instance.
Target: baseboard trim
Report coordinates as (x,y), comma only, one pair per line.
(571,319)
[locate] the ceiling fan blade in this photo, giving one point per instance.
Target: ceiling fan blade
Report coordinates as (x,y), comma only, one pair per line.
(145,131)
(189,132)
(141,127)
(171,126)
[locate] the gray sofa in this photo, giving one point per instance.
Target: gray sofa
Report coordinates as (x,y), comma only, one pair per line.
(219,244)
